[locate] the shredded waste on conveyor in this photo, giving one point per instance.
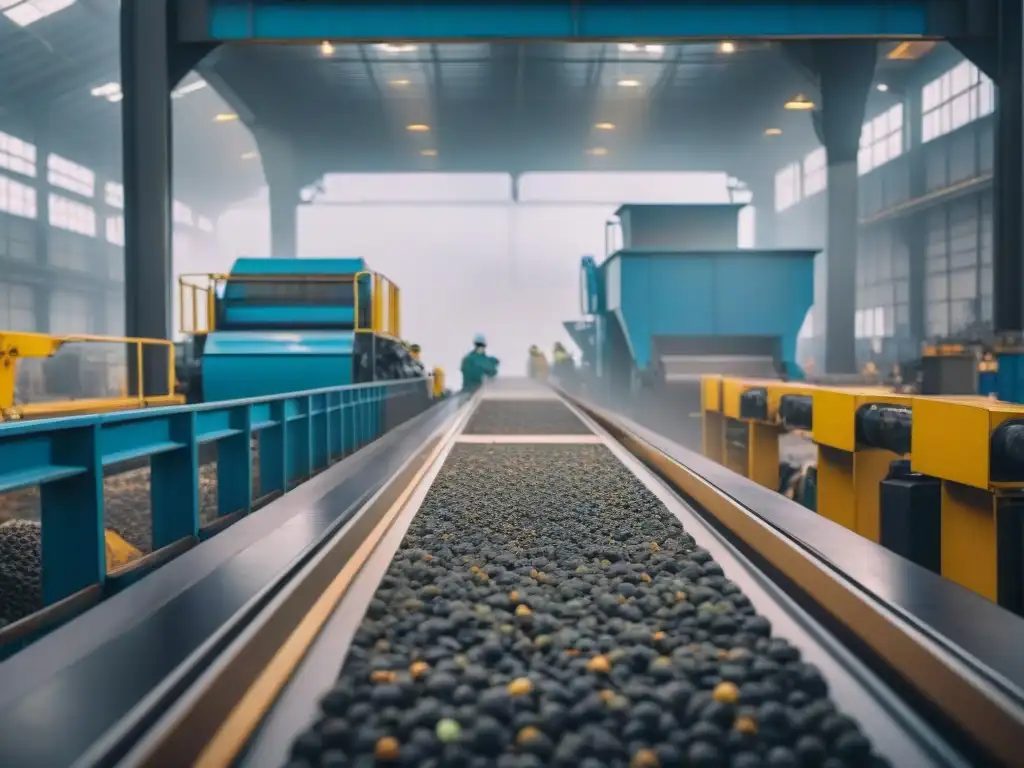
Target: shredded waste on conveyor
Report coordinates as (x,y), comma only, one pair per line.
(524,417)
(545,609)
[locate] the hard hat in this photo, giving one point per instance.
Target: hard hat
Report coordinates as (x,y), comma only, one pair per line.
(479,340)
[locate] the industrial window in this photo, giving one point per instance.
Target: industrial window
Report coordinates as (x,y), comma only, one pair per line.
(113,193)
(881,140)
(70,313)
(73,177)
(72,216)
(873,323)
(815,172)
(205,224)
(17,198)
(25,12)
(17,307)
(787,187)
(954,99)
(115,230)
(182,213)
(16,155)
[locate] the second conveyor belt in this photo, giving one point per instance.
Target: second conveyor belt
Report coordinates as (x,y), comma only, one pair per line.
(540,598)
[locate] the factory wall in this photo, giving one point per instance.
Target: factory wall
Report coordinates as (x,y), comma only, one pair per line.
(925,205)
(62,241)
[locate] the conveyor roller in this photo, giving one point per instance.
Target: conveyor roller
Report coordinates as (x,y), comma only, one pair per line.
(884,426)
(797,412)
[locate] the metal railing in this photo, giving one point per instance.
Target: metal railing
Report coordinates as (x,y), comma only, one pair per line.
(197,300)
(299,434)
(48,376)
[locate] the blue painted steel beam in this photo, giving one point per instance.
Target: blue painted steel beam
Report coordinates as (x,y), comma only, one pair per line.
(300,433)
(566,21)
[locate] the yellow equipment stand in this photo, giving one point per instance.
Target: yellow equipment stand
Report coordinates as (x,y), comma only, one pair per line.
(438,387)
(974,447)
(851,467)
(712,421)
(748,421)
(15,346)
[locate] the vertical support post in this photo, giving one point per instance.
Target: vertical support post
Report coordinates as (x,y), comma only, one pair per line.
(279,170)
(146,134)
(41,299)
(274,450)
(320,438)
(71,511)
(174,484)
(846,70)
(1008,223)
(335,427)
(234,464)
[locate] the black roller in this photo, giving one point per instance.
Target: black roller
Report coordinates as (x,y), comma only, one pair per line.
(1007,447)
(884,426)
(754,404)
(797,411)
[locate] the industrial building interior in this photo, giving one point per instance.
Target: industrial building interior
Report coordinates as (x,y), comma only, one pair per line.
(731,474)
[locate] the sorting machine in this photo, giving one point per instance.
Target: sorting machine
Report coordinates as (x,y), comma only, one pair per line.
(680,299)
(273,326)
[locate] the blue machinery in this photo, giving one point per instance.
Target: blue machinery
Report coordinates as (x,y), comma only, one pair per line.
(680,300)
(282,325)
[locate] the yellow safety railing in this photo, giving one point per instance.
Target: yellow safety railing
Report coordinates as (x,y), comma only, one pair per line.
(27,396)
(197,299)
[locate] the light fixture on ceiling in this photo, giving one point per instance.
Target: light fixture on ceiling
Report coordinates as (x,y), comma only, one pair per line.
(184,90)
(251,155)
(428,152)
(225,117)
(910,50)
(882,87)
(108,91)
(641,48)
(727,46)
(401,82)
(397,47)
(799,103)
(605,126)
(629,83)
(772,131)
(326,48)
(597,151)
(418,127)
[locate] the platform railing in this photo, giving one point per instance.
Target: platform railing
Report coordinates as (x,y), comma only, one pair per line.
(298,434)
(47,376)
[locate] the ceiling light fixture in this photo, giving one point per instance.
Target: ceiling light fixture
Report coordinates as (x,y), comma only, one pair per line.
(727,46)
(428,152)
(629,83)
(397,47)
(772,131)
(418,127)
(641,48)
(882,87)
(108,91)
(605,126)
(799,103)
(252,155)
(326,48)
(225,117)
(185,90)
(401,82)
(597,151)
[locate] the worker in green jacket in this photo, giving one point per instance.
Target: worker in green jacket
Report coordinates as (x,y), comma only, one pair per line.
(478,365)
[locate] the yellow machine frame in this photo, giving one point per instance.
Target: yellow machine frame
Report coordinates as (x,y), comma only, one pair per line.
(952,441)
(17,346)
(720,409)
(197,300)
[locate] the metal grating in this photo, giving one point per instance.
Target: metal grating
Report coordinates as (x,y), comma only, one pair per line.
(524,417)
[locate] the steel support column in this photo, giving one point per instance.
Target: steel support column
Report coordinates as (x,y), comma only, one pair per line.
(146,132)
(845,70)
(283,184)
(1008,208)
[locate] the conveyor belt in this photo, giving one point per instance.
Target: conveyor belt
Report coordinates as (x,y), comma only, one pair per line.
(552,603)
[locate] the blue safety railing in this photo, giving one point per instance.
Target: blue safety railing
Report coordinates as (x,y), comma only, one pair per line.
(299,434)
